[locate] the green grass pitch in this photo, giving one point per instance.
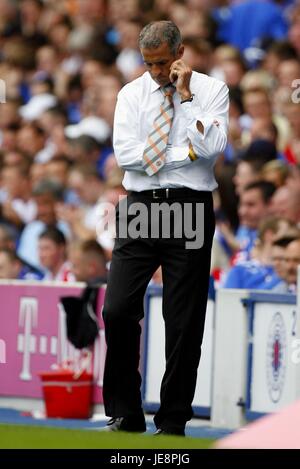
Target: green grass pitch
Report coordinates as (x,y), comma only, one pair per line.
(31,437)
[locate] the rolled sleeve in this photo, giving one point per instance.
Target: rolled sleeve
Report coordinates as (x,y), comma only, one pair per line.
(214,119)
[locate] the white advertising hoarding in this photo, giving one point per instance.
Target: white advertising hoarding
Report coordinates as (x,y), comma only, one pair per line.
(154,365)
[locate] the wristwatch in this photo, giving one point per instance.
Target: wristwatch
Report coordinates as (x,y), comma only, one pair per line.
(189,100)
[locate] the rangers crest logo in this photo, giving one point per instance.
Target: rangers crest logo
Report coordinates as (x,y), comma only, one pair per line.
(276,357)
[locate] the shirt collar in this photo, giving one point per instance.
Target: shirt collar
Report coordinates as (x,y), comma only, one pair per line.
(153,85)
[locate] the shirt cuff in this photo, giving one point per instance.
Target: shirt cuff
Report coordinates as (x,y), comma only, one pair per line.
(207,123)
(193,114)
(177,154)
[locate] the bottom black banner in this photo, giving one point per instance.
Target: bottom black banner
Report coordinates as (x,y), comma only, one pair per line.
(147,458)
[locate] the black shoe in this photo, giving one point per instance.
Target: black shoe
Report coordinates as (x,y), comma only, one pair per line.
(161,431)
(126,424)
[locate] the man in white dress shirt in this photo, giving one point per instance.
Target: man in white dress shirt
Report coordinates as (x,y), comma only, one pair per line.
(170,125)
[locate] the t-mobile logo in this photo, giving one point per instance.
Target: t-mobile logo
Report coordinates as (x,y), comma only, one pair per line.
(2,352)
(27,342)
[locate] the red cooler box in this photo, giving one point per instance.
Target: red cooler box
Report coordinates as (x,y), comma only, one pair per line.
(66,394)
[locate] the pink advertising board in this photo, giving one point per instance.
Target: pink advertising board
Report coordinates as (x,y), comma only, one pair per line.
(33,337)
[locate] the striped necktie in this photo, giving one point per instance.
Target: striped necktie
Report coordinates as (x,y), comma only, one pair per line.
(154,156)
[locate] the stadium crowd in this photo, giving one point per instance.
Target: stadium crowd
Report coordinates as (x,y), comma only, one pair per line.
(62,65)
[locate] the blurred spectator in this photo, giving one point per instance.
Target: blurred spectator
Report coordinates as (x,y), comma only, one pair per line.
(106,91)
(293,177)
(277,52)
(31,140)
(257,80)
(31,14)
(226,208)
(278,253)
(7,239)
(198,24)
(88,186)
(18,206)
(11,267)
(264,129)
(9,113)
(9,21)
(85,149)
(105,226)
(291,263)
(225,52)
(9,138)
(257,105)
(294,30)
(93,127)
(220,259)
(52,117)
(163,7)
(288,71)
(110,164)
(223,55)
(73,98)
(292,149)
(15,158)
(198,54)
(236,111)
(38,172)
(19,57)
(129,58)
(47,194)
(258,273)
(53,255)
(58,170)
(42,98)
(247,22)
(285,203)
(275,171)
(123,9)
(59,36)
(41,82)
(246,173)
(251,163)
(255,202)
(233,71)
(88,261)
(89,72)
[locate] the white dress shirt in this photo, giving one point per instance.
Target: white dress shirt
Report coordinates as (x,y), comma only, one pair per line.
(138,105)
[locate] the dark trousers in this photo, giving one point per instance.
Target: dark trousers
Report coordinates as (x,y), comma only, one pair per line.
(185,289)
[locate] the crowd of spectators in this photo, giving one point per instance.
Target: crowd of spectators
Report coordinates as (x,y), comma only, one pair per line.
(62,64)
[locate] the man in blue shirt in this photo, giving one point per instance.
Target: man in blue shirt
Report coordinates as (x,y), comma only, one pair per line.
(254,207)
(252,275)
(11,267)
(47,194)
(244,24)
(258,273)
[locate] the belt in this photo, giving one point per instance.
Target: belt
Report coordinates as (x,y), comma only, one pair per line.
(171,193)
